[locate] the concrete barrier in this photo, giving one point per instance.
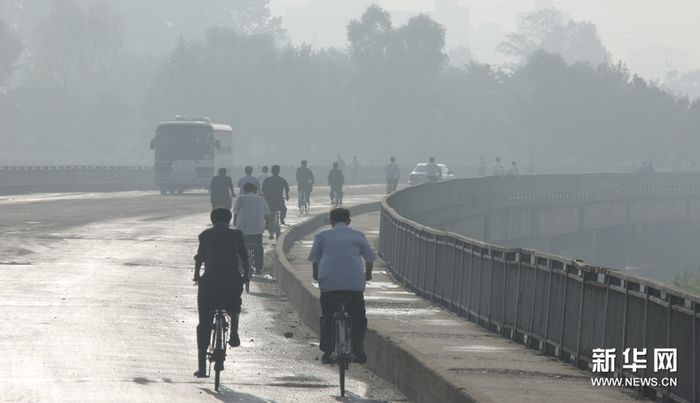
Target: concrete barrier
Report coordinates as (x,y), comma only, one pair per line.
(418,378)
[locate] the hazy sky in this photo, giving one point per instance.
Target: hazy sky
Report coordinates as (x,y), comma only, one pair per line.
(635,31)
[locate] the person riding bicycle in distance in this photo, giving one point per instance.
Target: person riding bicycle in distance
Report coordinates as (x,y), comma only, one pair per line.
(252,215)
(336,179)
(305,181)
(221,285)
(342,263)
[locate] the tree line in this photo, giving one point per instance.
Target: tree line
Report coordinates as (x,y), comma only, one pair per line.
(73,92)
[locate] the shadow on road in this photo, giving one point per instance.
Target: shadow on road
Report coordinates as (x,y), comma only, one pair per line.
(228,395)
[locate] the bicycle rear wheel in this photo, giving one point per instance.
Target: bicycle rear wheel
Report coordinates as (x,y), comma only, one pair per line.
(218,352)
(341,374)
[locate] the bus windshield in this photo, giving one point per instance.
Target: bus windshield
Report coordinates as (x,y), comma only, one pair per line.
(184,142)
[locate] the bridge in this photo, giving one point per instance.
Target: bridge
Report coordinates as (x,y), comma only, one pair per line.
(481,294)
(468,245)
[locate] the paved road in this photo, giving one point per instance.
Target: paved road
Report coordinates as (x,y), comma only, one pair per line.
(97,305)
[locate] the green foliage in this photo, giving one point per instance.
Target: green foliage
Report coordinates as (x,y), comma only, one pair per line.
(687,281)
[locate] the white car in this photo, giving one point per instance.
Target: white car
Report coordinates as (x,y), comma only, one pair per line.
(419,176)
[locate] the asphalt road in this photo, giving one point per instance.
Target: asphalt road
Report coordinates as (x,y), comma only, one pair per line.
(97,304)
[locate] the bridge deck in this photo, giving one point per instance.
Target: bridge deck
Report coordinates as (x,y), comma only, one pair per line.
(481,362)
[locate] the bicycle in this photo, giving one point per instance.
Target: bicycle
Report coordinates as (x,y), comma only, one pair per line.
(255,262)
(304,202)
(336,197)
(341,354)
(217,347)
(275,227)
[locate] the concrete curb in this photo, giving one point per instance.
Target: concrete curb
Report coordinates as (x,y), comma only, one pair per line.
(416,376)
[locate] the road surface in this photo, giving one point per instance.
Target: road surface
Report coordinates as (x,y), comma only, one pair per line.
(97,304)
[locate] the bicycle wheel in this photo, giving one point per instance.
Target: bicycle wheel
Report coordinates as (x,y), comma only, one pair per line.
(341,351)
(341,374)
(218,352)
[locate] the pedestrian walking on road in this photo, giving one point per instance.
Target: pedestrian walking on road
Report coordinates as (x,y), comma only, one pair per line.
(432,171)
(498,169)
(221,190)
(221,285)
(264,175)
(392,175)
(248,178)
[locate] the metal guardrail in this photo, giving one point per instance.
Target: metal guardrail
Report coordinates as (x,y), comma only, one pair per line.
(559,306)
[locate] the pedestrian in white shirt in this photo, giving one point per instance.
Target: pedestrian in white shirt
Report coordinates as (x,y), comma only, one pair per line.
(432,171)
(252,214)
(264,175)
(498,169)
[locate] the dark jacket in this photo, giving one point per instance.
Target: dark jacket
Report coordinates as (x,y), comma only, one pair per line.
(220,247)
(336,178)
(221,191)
(274,190)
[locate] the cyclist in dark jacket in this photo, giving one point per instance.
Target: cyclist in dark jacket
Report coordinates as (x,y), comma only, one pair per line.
(221,285)
(305,182)
(336,181)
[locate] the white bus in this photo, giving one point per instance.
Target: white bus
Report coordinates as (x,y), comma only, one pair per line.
(188,152)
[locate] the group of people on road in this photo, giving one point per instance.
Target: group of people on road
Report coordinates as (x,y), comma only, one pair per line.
(498,168)
(341,257)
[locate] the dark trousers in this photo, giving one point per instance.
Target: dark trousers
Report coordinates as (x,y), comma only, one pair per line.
(391,185)
(283,213)
(255,242)
(209,299)
(358,317)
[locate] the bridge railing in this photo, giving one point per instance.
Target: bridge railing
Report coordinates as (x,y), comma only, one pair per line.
(555,304)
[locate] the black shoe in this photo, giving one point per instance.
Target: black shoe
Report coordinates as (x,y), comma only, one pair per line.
(201,373)
(359,356)
(235,340)
(326,358)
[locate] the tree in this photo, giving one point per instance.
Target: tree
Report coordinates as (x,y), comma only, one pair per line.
(10,50)
(73,44)
(370,37)
(255,17)
(423,41)
(551,31)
